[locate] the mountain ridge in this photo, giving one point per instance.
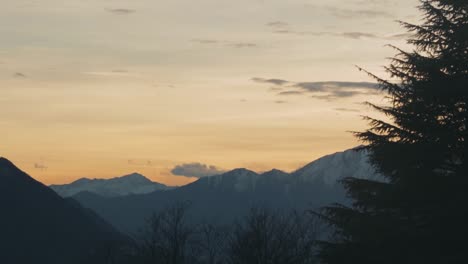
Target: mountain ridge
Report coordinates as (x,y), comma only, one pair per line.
(134,183)
(49,228)
(225,197)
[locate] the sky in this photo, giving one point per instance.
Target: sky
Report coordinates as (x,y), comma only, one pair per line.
(182,89)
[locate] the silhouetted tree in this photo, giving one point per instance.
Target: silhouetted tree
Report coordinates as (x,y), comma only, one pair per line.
(265,237)
(211,244)
(418,214)
(167,239)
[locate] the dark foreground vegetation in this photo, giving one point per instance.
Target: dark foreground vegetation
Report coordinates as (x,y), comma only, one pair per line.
(263,236)
(419,213)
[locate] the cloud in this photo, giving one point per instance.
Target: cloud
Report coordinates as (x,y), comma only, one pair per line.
(279,27)
(276,89)
(336,90)
(328,86)
(343,109)
(331,90)
(291,93)
(197,170)
(40,166)
(116,73)
(281,102)
(19,75)
(358,35)
(357,13)
(121,11)
(270,81)
(278,24)
(227,43)
(119,71)
(205,41)
(241,45)
(350,35)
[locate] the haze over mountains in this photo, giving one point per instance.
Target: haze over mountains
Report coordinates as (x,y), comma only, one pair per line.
(39,226)
(223,198)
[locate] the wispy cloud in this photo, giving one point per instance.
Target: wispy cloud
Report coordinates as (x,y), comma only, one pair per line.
(280,27)
(327,86)
(115,73)
(349,35)
(227,43)
(40,166)
(197,170)
(357,13)
(270,81)
(291,93)
(331,90)
(336,90)
(241,45)
(121,11)
(278,24)
(19,75)
(205,41)
(343,109)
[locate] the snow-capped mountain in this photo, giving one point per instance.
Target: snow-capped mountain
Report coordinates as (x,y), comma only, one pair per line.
(223,198)
(327,170)
(134,183)
(332,168)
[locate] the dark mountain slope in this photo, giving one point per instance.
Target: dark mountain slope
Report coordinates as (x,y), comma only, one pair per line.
(38,226)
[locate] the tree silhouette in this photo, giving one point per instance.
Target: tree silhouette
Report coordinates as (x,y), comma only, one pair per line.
(266,237)
(418,214)
(211,244)
(167,238)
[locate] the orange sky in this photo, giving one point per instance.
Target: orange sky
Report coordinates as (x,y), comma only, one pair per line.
(101,89)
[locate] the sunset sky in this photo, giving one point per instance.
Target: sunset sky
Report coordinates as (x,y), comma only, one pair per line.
(100,88)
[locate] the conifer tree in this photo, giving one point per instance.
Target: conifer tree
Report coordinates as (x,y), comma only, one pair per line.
(419,213)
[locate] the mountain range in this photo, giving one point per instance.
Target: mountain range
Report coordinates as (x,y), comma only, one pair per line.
(223,198)
(39,226)
(134,183)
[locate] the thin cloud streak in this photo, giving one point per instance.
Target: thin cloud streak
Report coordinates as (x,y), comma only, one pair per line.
(331,90)
(121,11)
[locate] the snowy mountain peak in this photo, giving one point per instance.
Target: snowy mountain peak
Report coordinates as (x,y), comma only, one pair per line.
(332,168)
(134,183)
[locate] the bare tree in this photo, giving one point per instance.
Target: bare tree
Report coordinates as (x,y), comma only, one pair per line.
(166,239)
(266,237)
(211,244)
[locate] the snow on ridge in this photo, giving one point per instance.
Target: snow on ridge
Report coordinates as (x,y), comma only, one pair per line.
(134,183)
(332,168)
(328,170)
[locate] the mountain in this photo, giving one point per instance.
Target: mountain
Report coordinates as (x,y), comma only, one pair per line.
(225,197)
(332,168)
(39,226)
(134,183)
